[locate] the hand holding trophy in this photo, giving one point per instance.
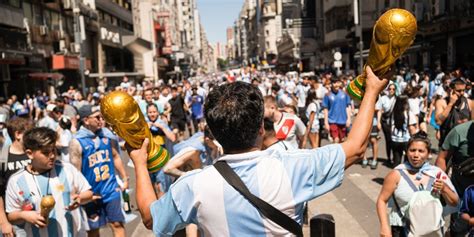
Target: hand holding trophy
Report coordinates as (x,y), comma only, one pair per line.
(121,111)
(47,204)
(393,33)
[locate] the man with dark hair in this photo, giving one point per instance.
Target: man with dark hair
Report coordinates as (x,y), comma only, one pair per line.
(288,127)
(269,138)
(337,111)
(454,109)
(285,180)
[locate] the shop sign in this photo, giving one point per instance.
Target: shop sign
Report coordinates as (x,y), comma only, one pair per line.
(108,35)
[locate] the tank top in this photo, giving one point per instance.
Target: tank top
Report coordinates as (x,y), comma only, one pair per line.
(98,167)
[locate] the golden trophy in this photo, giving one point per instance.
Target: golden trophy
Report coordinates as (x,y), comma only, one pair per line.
(393,33)
(121,111)
(46,205)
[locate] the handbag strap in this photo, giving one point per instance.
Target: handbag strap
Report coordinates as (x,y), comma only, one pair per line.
(263,207)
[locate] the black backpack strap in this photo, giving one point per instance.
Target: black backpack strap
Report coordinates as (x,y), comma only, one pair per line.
(263,207)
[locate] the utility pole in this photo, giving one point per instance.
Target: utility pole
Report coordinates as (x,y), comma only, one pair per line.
(79,36)
(358,25)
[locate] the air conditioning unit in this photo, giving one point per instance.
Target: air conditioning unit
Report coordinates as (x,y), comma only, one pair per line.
(67,4)
(62,46)
(74,48)
(43,30)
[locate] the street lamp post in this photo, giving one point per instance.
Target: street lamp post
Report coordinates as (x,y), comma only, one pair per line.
(358,25)
(79,36)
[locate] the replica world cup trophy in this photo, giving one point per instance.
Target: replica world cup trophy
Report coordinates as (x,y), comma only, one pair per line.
(121,111)
(393,33)
(46,206)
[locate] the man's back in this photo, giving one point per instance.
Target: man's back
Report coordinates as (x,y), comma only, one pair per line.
(283,179)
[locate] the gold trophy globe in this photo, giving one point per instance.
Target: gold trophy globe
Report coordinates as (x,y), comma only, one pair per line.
(393,33)
(122,113)
(46,206)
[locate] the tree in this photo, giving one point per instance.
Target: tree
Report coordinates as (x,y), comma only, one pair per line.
(222,64)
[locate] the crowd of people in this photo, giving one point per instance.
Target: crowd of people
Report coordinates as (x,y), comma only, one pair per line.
(266,126)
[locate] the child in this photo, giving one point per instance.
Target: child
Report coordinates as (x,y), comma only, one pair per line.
(467,208)
(43,177)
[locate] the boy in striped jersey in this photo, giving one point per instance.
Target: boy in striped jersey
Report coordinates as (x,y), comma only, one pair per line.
(46,176)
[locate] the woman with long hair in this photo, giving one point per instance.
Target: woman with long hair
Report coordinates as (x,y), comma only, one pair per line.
(398,186)
(403,124)
(312,127)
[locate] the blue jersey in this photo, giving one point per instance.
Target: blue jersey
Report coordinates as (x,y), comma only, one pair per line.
(98,167)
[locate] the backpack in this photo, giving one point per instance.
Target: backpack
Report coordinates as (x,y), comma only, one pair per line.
(424,214)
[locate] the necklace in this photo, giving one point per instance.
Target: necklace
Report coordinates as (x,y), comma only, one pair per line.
(34,174)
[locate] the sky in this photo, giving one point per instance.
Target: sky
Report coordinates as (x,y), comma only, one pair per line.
(217,15)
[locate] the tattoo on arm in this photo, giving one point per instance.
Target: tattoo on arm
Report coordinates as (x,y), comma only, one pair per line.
(75,153)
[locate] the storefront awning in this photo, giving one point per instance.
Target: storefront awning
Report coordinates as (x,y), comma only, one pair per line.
(136,45)
(116,74)
(46,75)
(68,62)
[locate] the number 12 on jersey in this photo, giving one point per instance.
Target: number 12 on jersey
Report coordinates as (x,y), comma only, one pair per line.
(101,173)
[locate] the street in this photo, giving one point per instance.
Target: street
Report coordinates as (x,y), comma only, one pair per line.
(352,204)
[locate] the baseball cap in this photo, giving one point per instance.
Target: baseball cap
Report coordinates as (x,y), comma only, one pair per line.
(87,110)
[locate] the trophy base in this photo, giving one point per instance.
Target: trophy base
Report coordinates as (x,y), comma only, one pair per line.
(355,92)
(157,161)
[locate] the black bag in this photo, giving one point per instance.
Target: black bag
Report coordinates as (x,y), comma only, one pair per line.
(465,168)
(263,207)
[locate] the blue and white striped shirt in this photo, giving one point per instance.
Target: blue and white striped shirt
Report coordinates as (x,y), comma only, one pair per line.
(284,179)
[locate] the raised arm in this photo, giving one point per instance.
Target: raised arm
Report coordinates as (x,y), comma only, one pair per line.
(145,192)
(173,165)
(356,143)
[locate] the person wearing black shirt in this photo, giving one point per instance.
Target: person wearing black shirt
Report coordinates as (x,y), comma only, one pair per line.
(178,113)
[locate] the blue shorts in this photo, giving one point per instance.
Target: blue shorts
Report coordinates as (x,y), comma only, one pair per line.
(100,213)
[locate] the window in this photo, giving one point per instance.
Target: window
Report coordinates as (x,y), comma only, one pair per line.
(114,21)
(14,3)
(38,17)
(28,12)
(337,18)
(47,17)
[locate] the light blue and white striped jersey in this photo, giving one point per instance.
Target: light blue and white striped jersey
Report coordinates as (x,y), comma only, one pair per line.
(24,192)
(284,179)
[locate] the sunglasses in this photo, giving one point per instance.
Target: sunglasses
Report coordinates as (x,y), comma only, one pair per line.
(98,117)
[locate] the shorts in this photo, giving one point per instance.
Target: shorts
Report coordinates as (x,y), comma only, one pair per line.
(315,126)
(100,213)
(337,131)
(178,124)
(375,131)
